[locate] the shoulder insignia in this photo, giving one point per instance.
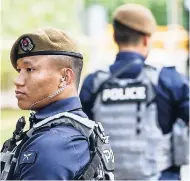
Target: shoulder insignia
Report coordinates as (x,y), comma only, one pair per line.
(28,157)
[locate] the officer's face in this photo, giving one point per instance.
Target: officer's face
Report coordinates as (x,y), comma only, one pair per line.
(38,78)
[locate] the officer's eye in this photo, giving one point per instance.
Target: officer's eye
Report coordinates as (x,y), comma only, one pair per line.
(30,69)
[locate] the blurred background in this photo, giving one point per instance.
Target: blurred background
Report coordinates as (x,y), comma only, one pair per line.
(89,21)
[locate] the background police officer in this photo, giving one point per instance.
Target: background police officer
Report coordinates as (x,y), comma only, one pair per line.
(140,128)
(49,66)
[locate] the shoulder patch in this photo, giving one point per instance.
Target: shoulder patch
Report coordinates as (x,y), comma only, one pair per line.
(28,157)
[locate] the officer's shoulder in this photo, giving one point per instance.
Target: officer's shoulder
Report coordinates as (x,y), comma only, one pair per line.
(152,72)
(66,131)
(105,70)
(149,67)
(170,72)
(96,75)
(99,72)
(60,134)
(164,69)
(58,141)
(102,74)
(171,77)
(168,75)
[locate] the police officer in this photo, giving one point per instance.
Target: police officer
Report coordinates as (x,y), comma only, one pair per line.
(57,146)
(139,104)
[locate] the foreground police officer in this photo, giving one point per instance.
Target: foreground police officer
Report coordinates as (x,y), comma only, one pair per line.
(62,142)
(138,104)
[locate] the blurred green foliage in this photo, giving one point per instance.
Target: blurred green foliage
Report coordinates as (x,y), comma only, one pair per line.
(20,16)
(158,7)
(186,19)
(7,72)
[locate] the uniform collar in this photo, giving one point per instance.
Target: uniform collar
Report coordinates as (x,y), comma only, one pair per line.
(57,107)
(129,56)
(124,58)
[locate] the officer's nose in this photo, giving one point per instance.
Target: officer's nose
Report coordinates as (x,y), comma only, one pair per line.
(20,80)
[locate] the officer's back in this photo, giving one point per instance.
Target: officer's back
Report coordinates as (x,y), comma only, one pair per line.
(139,105)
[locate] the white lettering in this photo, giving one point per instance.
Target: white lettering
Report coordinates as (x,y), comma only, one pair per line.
(109,155)
(106,94)
(128,93)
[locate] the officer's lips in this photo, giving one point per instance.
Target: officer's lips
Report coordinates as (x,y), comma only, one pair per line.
(19,94)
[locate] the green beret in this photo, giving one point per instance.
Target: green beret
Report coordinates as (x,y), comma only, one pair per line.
(136,17)
(48,41)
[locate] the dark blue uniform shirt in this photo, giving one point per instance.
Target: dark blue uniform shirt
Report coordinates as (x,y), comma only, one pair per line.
(57,153)
(172,91)
(172,95)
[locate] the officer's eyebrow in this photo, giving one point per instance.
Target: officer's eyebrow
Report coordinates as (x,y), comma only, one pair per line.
(26,62)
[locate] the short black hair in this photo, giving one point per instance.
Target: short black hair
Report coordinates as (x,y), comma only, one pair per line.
(125,35)
(76,64)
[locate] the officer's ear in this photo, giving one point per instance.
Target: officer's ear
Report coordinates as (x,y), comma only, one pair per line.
(146,40)
(67,77)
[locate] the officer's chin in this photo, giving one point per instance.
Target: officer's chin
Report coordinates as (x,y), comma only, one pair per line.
(24,106)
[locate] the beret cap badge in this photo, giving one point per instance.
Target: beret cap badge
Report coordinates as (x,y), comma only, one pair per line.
(26,44)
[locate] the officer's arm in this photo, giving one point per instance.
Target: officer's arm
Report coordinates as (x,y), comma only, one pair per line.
(183,101)
(87,96)
(179,89)
(53,157)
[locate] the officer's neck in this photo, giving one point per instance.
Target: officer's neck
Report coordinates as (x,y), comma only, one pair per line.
(67,93)
(136,49)
(70,91)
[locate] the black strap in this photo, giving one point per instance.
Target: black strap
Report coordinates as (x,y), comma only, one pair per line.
(138,118)
(88,171)
(91,169)
(13,164)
